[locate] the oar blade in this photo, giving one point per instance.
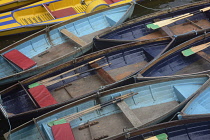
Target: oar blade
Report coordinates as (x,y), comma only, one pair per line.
(56,122)
(188,52)
(162,136)
(34,85)
(153,26)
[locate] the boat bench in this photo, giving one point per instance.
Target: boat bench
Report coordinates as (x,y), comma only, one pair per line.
(61,13)
(19,59)
(42,96)
(111,1)
(130,115)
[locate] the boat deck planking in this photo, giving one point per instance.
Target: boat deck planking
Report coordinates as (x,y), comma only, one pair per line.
(87,84)
(122,72)
(63,49)
(90,83)
(53,53)
(118,122)
(198,66)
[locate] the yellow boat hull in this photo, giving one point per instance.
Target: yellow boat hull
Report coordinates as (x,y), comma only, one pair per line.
(52,11)
(20,30)
(6,5)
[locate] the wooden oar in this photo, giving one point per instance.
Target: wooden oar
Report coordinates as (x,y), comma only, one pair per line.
(53,77)
(56,81)
(195,49)
(162,23)
(81,113)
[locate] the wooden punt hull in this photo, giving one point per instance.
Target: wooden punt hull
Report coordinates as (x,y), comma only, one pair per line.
(153,102)
(49,47)
(176,130)
(45,13)
(117,63)
(6,5)
(173,62)
(136,29)
(198,106)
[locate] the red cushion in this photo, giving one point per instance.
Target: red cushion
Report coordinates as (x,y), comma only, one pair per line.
(42,96)
(64,12)
(62,132)
(20,59)
(109,1)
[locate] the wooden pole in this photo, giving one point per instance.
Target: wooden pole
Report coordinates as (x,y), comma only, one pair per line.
(56,81)
(51,78)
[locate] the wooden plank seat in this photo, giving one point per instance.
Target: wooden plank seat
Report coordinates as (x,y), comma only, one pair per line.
(73,37)
(103,74)
(111,1)
(42,96)
(62,132)
(129,114)
(165,29)
(19,59)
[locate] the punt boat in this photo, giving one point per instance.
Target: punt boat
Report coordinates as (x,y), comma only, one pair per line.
(114,111)
(58,44)
(44,13)
(6,5)
(174,62)
(192,21)
(188,129)
(198,106)
(83,76)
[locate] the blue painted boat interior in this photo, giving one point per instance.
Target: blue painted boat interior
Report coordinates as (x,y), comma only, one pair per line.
(119,58)
(192,131)
(200,104)
(148,95)
(139,29)
(176,62)
(42,43)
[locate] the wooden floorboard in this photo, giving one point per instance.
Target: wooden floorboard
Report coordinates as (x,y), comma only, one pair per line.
(54,53)
(198,66)
(78,88)
(114,124)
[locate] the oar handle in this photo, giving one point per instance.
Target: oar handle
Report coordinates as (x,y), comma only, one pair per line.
(55,81)
(162,23)
(51,78)
(200,47)
(80,114)
(91,109)
(96,60)
(205,9)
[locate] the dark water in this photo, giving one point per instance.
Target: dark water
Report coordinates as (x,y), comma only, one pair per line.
(155,5)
